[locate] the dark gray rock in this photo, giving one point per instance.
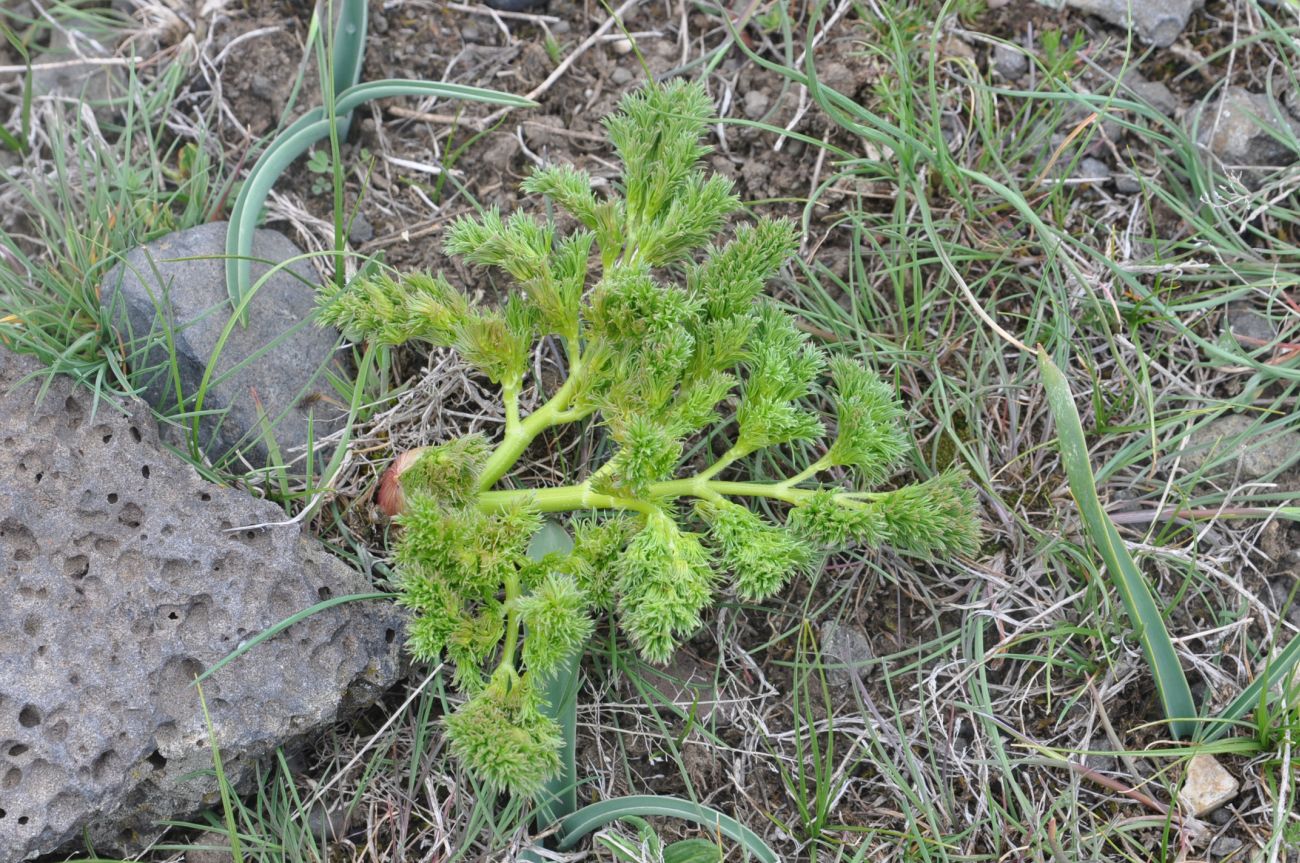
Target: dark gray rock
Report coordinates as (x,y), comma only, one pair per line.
(1245,129)
(1158,22)
(124,574)
(1126,183)
(847,648)
(1250,329)
(279,359)
(1010,62)
(362,230)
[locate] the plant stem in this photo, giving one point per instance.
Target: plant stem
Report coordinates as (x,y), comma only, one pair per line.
(809,472)
(512,620)
(520,433)
(569,498)
(728,457)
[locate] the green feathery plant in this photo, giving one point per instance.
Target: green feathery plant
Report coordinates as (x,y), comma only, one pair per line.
(668,338)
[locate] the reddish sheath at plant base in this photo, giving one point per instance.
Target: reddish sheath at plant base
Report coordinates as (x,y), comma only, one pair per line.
(390,497)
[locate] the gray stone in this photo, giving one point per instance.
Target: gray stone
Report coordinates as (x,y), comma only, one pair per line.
(98,84)
(621,76)
(1248,327)
(124,574)
(1009,62)
(1092,170)
(756,104)
(288,381)
(1225,846)
(1154,93)
(361,230)
(1245,129)
(1241,447)
(1126,183)
(846,647)
(1158,22)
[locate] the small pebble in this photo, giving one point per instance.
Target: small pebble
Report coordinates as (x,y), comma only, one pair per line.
(621,76)
(1224,845)
(470,33)
(622,46)
(261,87)
(1092,170)
(756,104)
(559,28)
(1009,62)
(1126,184)
(361,230)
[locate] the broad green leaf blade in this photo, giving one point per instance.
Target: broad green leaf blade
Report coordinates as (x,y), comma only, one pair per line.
(597,815)
(1144,614)
(693,851)
(349,45)
(282,625)
(297,139)
(559,795)
(549,539)
(1277,670)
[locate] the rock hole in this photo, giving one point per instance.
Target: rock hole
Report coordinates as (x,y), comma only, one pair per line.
(2,813)
(31,624)
(39,476)
(135,434)
(131,515)
(22,820)
(389,635)
(112,497)
(12,778)
(74,679)
(205,497)
(324,593)
(17,750)
(108,437)
(157,760)
(171,615)
(144,471)
(76,567)
(22,554)
(29,716)
(105,765)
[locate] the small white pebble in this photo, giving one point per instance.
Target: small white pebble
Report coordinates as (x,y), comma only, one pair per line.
(622,46)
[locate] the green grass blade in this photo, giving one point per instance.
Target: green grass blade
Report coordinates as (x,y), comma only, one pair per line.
(1277,669)
(297,139)
(1144,615)
(597,815)
(223,784)
(282,625)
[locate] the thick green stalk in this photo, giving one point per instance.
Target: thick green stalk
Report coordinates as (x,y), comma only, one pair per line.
(512,620)
(520,433)
(569,498)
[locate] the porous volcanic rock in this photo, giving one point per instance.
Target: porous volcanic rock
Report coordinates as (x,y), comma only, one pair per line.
(124,575)
(274,366)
